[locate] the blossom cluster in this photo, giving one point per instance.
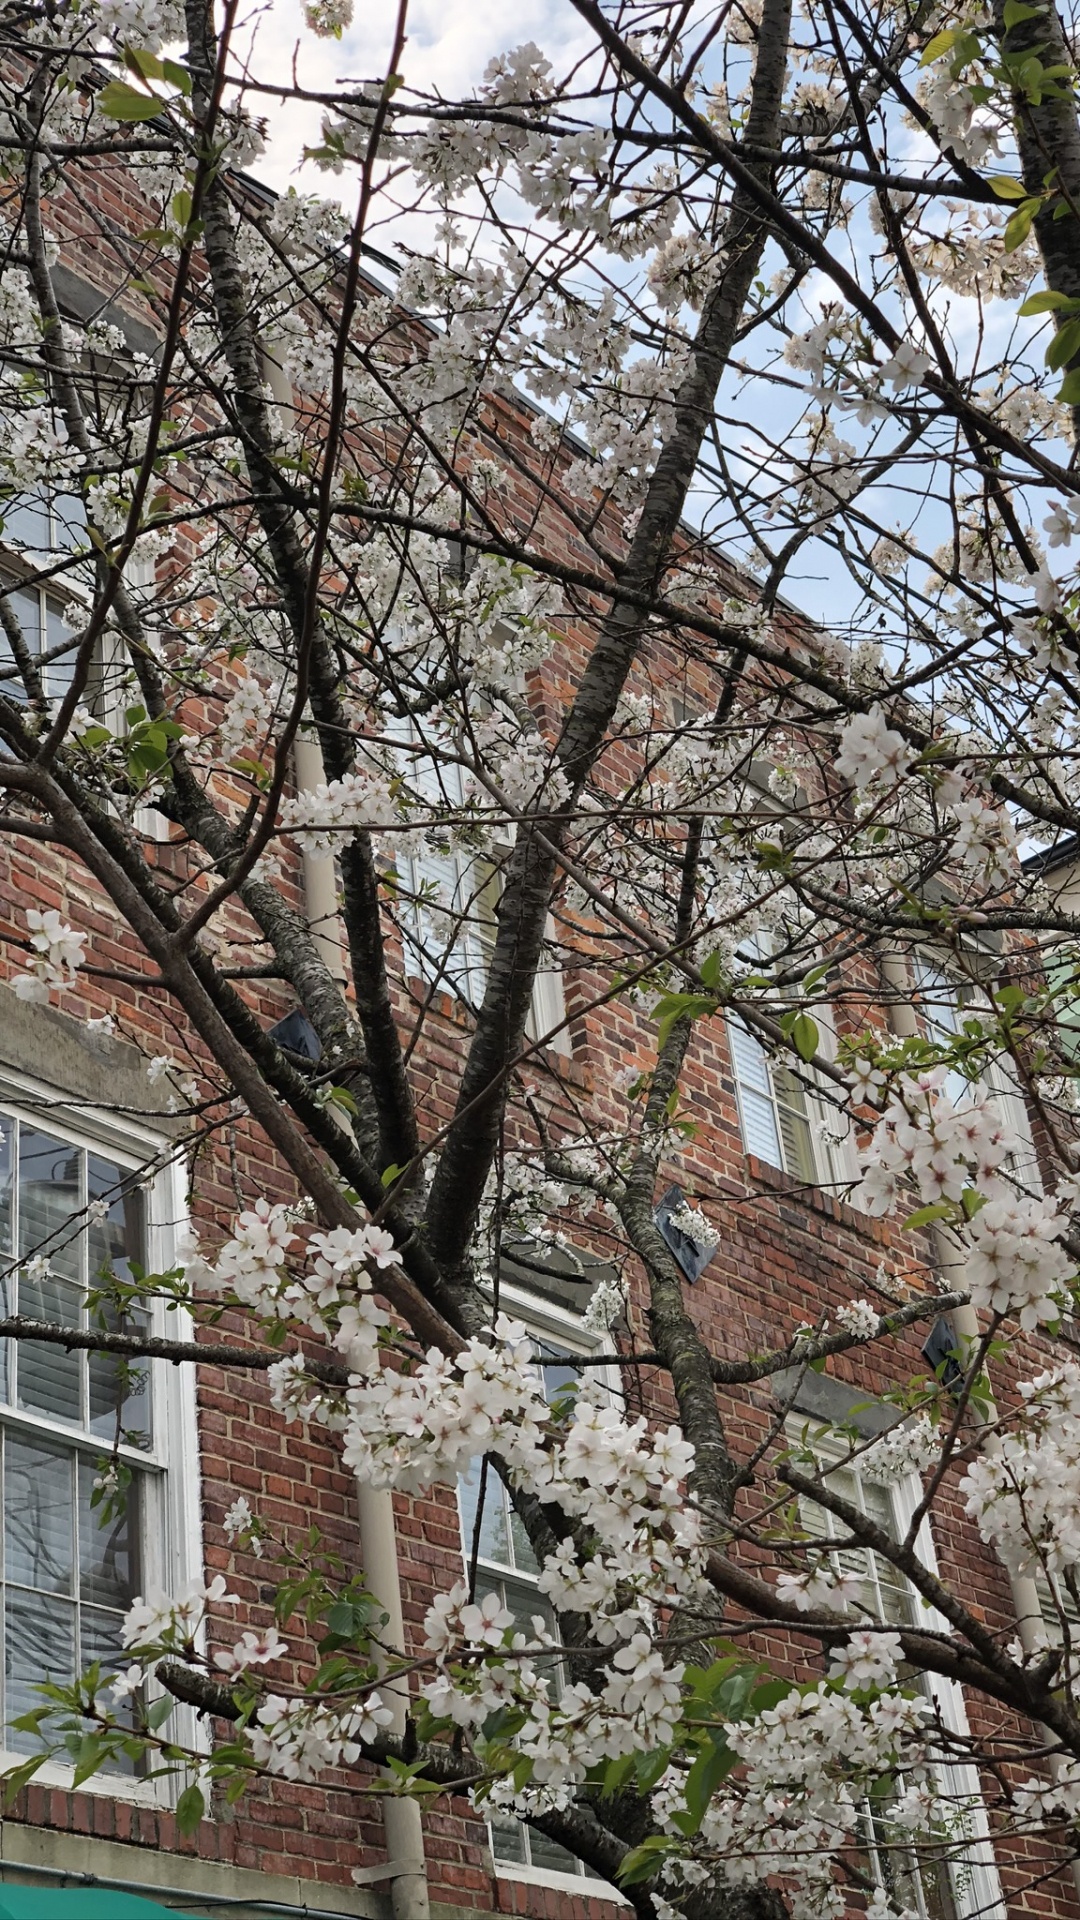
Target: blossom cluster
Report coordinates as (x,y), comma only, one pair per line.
(1025,1493)
(56,954)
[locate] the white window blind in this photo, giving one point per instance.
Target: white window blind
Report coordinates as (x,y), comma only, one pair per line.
(772,1107)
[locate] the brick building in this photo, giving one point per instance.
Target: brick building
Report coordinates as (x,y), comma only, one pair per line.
(86,1120)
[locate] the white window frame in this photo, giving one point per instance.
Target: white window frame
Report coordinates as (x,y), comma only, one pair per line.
(981,1898)
(562,1327)
(172,1544)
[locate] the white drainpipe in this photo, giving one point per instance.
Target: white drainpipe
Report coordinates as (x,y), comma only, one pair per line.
(405,1867)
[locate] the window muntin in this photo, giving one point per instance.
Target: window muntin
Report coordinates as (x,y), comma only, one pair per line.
(507,1566)
(66,1577)
(961,1887)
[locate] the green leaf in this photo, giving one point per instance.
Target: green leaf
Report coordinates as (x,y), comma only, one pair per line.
(118,101)
(649,1766)
(642,1862)
(616,1773)
(91,1750)
(942,43)
(18,1777)
(805,1036)
(1016,11)
(146,64)
(1069,390)
(390,1174)
(181,207)
(158,1712)
(709,1769)
(1007,188)
(922,1216)
(678,1006)
(711,969)
(341,1097)
(178,76)
(1018,228)
(1065,345)
(190,1809)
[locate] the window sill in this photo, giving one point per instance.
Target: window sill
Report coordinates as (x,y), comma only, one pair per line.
(585,1888)
(100,1786)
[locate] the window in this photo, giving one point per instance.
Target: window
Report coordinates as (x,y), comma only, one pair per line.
(1059,1608)
(71,1206)
(781,1121)
(966,1884)
(506,1565)
(772,1107)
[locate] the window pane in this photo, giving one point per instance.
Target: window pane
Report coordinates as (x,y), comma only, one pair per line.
(25,607)
(119,1391)
(751,1065)
(508,1841)
(494,1532)
(38,1515)
(26,521)
(119,1237)
(49,1378)
(99,1640)
(69,522)
(794,1125)
(108,1551)
(549,1855)
(39,1645)
(50,1201)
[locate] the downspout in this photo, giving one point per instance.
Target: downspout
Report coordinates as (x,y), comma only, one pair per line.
(967,1333)
(405,1867)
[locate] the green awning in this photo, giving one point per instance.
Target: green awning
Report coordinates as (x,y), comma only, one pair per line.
(78,1903)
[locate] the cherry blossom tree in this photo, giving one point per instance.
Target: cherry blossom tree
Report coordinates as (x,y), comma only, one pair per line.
(503,548)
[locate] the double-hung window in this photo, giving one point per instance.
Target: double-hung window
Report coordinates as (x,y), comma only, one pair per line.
(73,1208)
(964,1881)
(506,1565)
